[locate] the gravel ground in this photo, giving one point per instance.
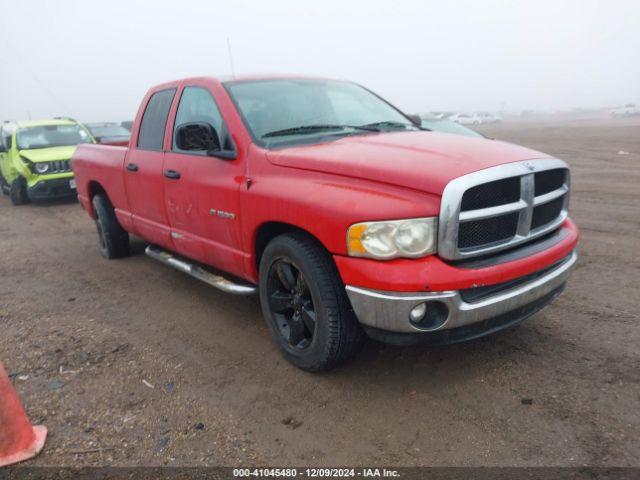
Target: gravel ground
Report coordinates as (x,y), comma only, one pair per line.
(129,362)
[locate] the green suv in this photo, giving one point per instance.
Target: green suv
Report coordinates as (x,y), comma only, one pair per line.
(35,158)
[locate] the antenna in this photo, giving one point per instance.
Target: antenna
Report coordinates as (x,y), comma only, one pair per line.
(233,72)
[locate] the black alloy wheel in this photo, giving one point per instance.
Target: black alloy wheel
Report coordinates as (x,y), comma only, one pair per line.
(291,304)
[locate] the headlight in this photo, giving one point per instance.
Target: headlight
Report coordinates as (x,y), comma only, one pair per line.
(393,239)
(42,167)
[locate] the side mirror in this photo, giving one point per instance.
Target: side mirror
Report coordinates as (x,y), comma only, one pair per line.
(198,136)
(415,119)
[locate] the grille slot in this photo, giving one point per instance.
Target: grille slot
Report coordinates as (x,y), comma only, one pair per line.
(491,194)
(60,166)
(487,231)
(549,180)
(546,213)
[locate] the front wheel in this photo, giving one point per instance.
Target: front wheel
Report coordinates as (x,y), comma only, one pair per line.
(4,186)
(113,239)
(305,305)
(18,192)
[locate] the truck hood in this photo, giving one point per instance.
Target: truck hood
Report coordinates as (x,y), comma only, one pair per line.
(424,161)
(49,154)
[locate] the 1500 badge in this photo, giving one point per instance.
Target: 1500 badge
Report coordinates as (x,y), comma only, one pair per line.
(222,214)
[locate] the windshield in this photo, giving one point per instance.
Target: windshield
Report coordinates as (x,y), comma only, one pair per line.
(30,138)
(101,131)
(307,111)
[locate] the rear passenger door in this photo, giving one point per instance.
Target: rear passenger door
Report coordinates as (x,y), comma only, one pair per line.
(143,176)
(202,198)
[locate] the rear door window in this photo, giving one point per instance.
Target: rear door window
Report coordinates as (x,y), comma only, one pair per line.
(154,120)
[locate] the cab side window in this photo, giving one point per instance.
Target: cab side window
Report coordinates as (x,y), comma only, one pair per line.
(198,105)
(154,120)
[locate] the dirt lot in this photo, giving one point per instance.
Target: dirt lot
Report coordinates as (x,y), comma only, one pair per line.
(81,335)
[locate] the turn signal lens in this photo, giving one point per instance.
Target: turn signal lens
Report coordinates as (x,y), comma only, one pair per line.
(354,244)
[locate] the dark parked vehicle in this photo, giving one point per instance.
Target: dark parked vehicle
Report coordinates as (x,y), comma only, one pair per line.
(109,133)
(435,124)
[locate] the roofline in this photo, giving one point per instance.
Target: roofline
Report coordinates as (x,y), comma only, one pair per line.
(45,122)
(239,78)
(258,77)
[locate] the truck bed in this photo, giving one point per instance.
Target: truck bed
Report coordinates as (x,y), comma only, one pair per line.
(95,166)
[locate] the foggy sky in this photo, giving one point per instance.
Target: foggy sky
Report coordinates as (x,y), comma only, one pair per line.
(94,60)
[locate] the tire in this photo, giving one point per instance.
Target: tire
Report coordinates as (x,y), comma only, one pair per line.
(4,186)
(336,334)
(18,192)
(113,239)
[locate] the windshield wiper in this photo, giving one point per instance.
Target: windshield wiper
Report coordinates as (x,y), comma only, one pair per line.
(389,124)
(302,129)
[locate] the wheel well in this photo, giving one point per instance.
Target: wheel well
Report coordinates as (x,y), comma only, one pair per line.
(268,231)
(94,188)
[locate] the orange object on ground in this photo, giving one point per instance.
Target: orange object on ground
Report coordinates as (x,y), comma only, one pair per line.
(19,440)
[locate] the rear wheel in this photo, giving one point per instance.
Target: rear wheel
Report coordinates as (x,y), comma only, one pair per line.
(18,192)
(305,305)
(113,239)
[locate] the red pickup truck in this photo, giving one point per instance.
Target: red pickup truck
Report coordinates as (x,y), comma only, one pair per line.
(342,213)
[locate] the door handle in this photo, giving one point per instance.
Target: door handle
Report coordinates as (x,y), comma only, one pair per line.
(172,174)
(132,167)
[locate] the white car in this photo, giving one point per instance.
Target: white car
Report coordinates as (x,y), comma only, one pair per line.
(486,117)
(474,118)
(626,111)
(465,119)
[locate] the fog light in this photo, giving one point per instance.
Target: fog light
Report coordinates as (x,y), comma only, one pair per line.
(429,315)
(417,312)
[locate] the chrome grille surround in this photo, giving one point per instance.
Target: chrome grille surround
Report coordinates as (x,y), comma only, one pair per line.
(451,215)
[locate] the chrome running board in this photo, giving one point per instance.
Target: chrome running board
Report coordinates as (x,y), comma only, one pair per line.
(200,273)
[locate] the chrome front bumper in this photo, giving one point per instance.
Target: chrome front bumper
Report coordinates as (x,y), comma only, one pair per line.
(390,311)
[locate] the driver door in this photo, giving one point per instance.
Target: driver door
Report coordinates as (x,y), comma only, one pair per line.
(201,192)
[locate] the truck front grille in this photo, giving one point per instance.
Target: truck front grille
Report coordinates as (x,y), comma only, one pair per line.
(501,207)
